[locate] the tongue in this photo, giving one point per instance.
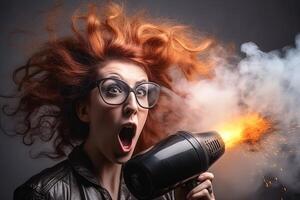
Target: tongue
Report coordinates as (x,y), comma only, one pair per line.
(126,142)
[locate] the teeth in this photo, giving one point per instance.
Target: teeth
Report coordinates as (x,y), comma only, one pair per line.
(128,126)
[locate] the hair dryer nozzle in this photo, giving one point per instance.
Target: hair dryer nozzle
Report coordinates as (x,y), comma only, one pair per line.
(172,162)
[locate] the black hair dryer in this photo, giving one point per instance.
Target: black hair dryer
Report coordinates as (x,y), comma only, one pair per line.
(174,161)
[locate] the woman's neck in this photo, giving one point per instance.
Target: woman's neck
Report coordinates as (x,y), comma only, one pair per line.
(107,173)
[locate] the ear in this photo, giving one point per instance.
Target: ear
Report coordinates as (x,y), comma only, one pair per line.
(83,111)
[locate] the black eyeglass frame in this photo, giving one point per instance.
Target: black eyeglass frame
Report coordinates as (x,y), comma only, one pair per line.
(98,82)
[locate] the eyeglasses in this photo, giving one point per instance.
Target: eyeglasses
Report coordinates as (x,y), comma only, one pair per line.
(115,92)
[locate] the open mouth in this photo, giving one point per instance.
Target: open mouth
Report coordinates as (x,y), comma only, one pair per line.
(126,135)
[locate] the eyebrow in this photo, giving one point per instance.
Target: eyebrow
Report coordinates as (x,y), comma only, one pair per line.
(115,75)
(118,76)
(141,81)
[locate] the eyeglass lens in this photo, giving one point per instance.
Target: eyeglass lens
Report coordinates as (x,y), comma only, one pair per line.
(114,91)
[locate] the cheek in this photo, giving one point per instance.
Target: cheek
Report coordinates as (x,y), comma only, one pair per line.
(103,118)
(97,113)
(100,111)
(142,119)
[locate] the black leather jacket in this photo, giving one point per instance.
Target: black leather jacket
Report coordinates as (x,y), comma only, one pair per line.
(71,179)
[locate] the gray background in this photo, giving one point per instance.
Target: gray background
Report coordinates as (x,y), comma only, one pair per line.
(272,24)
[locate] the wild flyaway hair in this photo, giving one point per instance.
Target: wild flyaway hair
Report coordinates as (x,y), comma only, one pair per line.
(57,76)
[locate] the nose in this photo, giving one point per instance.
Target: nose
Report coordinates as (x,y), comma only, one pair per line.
(130,106)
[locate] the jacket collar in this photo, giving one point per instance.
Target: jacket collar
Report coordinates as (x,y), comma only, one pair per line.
(82,164)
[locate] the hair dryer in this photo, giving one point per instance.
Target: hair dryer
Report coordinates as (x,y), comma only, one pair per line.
(172,162)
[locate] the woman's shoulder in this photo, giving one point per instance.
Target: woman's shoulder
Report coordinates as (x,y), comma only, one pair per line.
(39,185)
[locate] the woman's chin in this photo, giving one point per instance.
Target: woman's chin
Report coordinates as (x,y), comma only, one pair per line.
(121,159)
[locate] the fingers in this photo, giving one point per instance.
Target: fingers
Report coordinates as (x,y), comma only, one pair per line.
(204,189)
(201,190)
(204,195)
(206,175)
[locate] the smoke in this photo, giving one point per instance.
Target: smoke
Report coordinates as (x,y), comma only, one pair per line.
(264,82)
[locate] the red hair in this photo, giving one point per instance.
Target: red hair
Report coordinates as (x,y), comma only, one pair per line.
(57,76)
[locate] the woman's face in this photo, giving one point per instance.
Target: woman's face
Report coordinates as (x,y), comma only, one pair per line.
(115,129)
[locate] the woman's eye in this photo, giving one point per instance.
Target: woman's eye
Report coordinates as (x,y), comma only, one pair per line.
(113,90)
(141,92)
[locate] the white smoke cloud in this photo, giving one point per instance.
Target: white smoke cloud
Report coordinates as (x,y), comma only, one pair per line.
(264,82)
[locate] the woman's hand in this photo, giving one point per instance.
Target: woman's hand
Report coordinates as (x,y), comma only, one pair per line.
(204,190)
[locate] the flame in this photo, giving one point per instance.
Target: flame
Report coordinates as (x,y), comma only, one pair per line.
(247,128)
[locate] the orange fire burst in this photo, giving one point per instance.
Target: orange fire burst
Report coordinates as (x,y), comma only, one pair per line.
(248,128)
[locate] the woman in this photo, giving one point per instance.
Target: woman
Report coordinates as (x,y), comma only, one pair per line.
(97,90)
